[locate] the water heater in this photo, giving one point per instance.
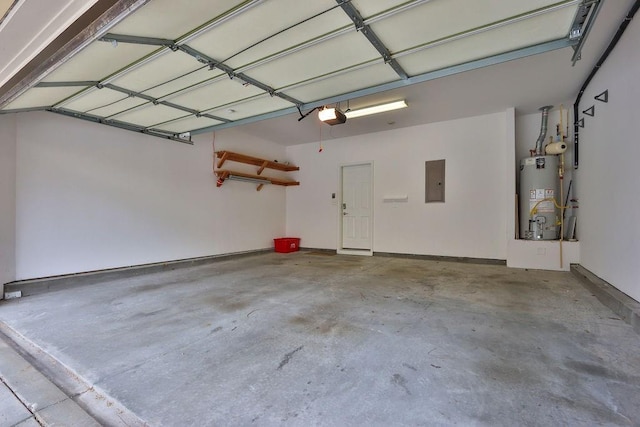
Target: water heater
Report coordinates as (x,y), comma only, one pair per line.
(539,190)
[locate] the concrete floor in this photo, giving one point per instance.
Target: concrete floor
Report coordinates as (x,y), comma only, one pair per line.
(313,339)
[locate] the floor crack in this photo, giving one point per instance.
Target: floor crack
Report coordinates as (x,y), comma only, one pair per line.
(288,356)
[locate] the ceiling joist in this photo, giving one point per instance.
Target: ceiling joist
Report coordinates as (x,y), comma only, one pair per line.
(68,84)
(233,75)
(155,101)
(375,41)
(200,57)
(120,125)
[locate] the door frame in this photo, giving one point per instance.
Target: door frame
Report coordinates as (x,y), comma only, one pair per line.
(341,250)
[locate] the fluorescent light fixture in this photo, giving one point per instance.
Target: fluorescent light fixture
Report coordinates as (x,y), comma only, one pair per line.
(332,116)
(247,179)
(376,109)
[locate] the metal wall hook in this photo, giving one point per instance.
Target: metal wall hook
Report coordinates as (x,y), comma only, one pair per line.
(603,97)
(581,122)
(591,111)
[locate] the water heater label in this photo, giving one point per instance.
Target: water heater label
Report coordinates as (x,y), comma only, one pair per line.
(530,161)
(536,198)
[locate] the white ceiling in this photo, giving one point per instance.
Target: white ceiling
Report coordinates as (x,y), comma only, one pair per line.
(310,52)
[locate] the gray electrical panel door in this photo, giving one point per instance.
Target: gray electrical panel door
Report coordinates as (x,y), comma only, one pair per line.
(434,181)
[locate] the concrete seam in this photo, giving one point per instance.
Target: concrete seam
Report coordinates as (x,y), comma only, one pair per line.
(22,402)
(50,405)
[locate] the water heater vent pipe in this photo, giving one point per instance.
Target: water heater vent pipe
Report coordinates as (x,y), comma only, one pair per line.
(543,129)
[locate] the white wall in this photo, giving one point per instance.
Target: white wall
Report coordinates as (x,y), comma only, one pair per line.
(7,199)
(92,197)
(609,175)
(471,223)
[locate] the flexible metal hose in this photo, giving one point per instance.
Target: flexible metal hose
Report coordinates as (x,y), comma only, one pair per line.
(543,129)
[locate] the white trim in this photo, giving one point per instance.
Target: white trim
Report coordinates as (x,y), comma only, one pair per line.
(362,252)
(55,19)
(12,10)
(340,250)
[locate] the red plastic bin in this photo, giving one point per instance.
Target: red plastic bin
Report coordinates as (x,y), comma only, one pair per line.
(287,244)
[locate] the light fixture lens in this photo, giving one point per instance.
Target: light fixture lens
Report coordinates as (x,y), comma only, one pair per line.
(327,114)
(376,109)
(332,116)
(248,179)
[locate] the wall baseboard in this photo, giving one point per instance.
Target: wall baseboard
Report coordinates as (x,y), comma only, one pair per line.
(619,302)
(319,251)
(466,260)
(67,281)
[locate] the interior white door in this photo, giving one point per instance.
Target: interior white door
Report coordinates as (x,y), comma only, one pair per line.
(356,207)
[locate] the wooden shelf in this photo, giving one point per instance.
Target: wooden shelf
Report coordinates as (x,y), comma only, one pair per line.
(261,163)
(261,180)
